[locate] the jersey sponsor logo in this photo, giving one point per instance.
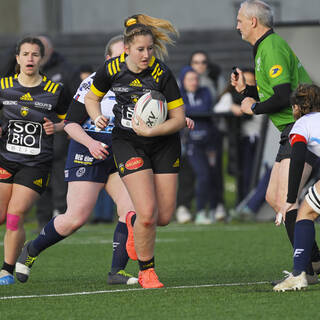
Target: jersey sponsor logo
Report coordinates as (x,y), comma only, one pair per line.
(83,159)
(80,172)
(24,137)
(275,71)
(135,83)
(46,106)
(4,174)
(134,163)
(177,163)
(38,182)
(26,97)
(24,111)
(120,89)
(10,102)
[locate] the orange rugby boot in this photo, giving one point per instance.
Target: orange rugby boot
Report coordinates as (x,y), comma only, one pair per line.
(148,279)
(130,240)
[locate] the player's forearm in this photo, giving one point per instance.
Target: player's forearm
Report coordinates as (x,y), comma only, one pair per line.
(75,131)
(92,103)
(176,121)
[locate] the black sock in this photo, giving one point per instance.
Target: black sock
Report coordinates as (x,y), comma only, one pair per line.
(133,219)
(120,256)
(315,255)
(290,223)
(144,265)
(8,267)
(47,237)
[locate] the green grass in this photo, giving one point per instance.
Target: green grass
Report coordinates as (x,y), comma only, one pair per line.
(203,258)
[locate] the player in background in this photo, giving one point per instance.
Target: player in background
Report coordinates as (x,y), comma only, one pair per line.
(278,72)
(305,135)
(89,168)
(28,101)
(147,159)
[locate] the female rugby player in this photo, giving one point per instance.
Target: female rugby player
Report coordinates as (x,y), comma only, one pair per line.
(30,104)
(147,158)
(304,137)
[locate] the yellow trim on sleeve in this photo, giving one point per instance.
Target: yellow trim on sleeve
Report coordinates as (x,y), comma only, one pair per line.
(62,116)
(97,92)
(175,104)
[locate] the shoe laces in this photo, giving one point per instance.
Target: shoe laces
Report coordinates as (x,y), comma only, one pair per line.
(125,274)
(29,261)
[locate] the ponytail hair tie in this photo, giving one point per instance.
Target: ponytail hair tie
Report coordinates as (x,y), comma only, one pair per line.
(131,22)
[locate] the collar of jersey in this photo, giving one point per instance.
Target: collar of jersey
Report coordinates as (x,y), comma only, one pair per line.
(256,45)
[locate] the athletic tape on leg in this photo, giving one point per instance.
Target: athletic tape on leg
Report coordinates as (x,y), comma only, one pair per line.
(12,221)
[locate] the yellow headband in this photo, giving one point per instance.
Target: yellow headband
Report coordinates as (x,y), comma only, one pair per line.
(131,21)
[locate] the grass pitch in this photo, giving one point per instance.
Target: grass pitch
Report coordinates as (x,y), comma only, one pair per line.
(220,271)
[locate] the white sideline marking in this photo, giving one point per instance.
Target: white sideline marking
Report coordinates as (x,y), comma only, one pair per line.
(129,290)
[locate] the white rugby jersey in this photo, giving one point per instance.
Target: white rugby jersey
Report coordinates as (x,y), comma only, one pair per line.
(308,126)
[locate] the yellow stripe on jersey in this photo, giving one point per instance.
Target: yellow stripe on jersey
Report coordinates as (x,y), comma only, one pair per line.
(110,69)
(175,104)
(47,85)
(62,116)
(16,76)
(117,64)
(11,82)
(6,83)
(55,88)
(155,69)
(2,83)
(51,86)
(114,67)
(44,79)
(152,61)
(97,92)
(122,57)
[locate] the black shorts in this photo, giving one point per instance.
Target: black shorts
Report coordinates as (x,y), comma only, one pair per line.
(133,153)
(35,178)
(284,151)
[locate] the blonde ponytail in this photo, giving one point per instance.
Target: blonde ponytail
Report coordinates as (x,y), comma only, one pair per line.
(159,29)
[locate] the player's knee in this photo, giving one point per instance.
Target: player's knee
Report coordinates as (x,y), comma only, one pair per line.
(12,222)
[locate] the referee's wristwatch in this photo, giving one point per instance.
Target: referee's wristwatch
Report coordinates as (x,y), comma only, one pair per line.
(253,107)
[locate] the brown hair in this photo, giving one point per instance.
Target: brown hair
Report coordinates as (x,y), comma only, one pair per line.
(159,29)
(307,98)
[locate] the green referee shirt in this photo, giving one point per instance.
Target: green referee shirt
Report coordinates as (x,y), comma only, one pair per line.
(275,64)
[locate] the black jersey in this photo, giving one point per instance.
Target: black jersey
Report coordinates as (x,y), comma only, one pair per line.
(129,86)
(23,137)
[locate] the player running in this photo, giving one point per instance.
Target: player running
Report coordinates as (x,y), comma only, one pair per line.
(147,158)
(30,103)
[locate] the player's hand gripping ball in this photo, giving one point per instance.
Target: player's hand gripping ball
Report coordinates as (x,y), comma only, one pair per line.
(151,108)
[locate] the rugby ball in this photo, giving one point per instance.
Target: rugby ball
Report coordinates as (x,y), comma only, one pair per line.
(151,108)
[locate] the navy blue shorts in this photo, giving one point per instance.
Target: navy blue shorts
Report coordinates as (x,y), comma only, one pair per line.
(98,172)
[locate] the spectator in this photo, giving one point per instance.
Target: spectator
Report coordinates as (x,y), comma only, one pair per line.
(201,148)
